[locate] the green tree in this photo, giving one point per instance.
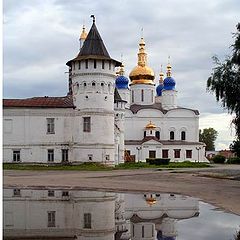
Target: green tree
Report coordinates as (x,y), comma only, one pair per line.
(208,136)
(235,147)
(225,81)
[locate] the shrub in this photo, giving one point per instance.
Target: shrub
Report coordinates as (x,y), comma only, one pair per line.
(234,160)
(158,161)
(218,159)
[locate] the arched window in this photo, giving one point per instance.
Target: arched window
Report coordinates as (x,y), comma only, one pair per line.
(79,64)
(84,84)
(150,131)
(86,63)
(144,134)
(102,84)
(183,135)
(95,63)
(110,65)
(142,94)
(172,135)
(103,64)
(93,84)
(157,134)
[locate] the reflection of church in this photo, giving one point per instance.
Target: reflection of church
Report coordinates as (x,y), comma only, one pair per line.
(104,118)
(90,215)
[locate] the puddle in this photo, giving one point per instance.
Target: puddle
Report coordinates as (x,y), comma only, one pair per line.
(92,215)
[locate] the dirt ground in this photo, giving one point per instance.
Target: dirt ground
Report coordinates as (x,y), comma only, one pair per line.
(219,186)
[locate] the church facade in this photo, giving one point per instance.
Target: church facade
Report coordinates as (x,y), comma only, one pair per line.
(103,118)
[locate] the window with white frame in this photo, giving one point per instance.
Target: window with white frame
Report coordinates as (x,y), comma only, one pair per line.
(86,124)
(183,135)
(50,125)
(87,220)
(16,156)
(51,218)
(50,155)
(172,135)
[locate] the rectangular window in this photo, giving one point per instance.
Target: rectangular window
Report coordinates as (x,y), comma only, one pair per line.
(132,96)
(65,193)
(16,156)
(16,192)
(142,94)
(152,154)
(51,218)
(171,135)
(188,153)
(177,153)
(64,155)
(79,64)
(95,63)
(90,157)
(86,63)
(51,193)
(7,125)
(50,126)
(143,232)
(165,153)
(86,124)
(103,63)
(110,65)
(50,155)
(87,220)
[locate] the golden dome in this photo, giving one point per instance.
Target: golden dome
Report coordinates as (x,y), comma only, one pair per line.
(142,74)
(84,34)
(150,201)
(150,125)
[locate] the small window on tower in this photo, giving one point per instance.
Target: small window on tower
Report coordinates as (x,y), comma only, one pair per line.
(103,64)
(79,64)
(110,65)
(86,63)
(86,124)
(142,94)
(95,63)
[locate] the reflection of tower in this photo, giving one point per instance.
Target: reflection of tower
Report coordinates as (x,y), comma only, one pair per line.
(49,214)
(120,221)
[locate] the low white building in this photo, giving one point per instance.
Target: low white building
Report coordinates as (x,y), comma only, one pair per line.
(102,119)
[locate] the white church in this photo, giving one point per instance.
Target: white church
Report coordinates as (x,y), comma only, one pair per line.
(104,117)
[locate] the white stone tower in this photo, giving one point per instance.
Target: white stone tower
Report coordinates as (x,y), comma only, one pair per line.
(93,79)
(142,80)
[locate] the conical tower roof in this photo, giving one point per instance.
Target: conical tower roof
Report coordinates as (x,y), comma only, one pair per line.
(93,47)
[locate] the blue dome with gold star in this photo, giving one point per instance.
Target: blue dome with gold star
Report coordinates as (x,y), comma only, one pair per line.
(121,81)
(169,82)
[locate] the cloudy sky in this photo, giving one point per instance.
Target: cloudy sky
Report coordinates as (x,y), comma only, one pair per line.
(40,36)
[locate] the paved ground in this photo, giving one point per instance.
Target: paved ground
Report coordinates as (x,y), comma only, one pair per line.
(219,185)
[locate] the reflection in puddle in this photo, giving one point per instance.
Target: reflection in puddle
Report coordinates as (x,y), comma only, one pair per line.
(88,215)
